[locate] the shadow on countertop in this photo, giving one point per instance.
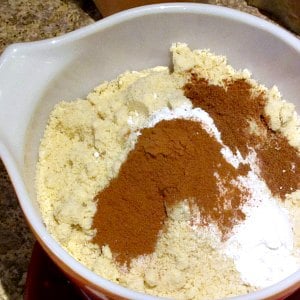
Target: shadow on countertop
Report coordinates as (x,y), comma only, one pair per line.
(16,241)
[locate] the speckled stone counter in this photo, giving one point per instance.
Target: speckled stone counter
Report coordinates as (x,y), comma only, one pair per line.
(28,20)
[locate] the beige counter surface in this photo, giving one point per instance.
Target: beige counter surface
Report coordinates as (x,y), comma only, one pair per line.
(28,20)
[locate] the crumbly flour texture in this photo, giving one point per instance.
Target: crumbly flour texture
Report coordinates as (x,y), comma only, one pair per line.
(84,145)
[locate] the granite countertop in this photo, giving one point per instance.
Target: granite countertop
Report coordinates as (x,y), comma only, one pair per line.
(28,20)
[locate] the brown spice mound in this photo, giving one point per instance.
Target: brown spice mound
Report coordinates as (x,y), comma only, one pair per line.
(173,161)
(279,164)
(231,109)
(177,160)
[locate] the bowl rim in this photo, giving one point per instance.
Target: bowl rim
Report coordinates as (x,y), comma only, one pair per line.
(36,224)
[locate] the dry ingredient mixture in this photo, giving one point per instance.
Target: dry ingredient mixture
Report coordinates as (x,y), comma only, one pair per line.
(180,184)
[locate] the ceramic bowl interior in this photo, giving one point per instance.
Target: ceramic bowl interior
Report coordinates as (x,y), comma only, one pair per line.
(35,76)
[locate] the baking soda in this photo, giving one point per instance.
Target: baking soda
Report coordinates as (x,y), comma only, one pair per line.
(262,245)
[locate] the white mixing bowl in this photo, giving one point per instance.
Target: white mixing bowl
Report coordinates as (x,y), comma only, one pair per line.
(35,76)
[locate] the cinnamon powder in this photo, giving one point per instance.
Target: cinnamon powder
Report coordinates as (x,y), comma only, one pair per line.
(232,108)
(173,161)
(177,160)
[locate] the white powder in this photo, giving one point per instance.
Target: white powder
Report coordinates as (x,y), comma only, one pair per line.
(185,111)
(262,245)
